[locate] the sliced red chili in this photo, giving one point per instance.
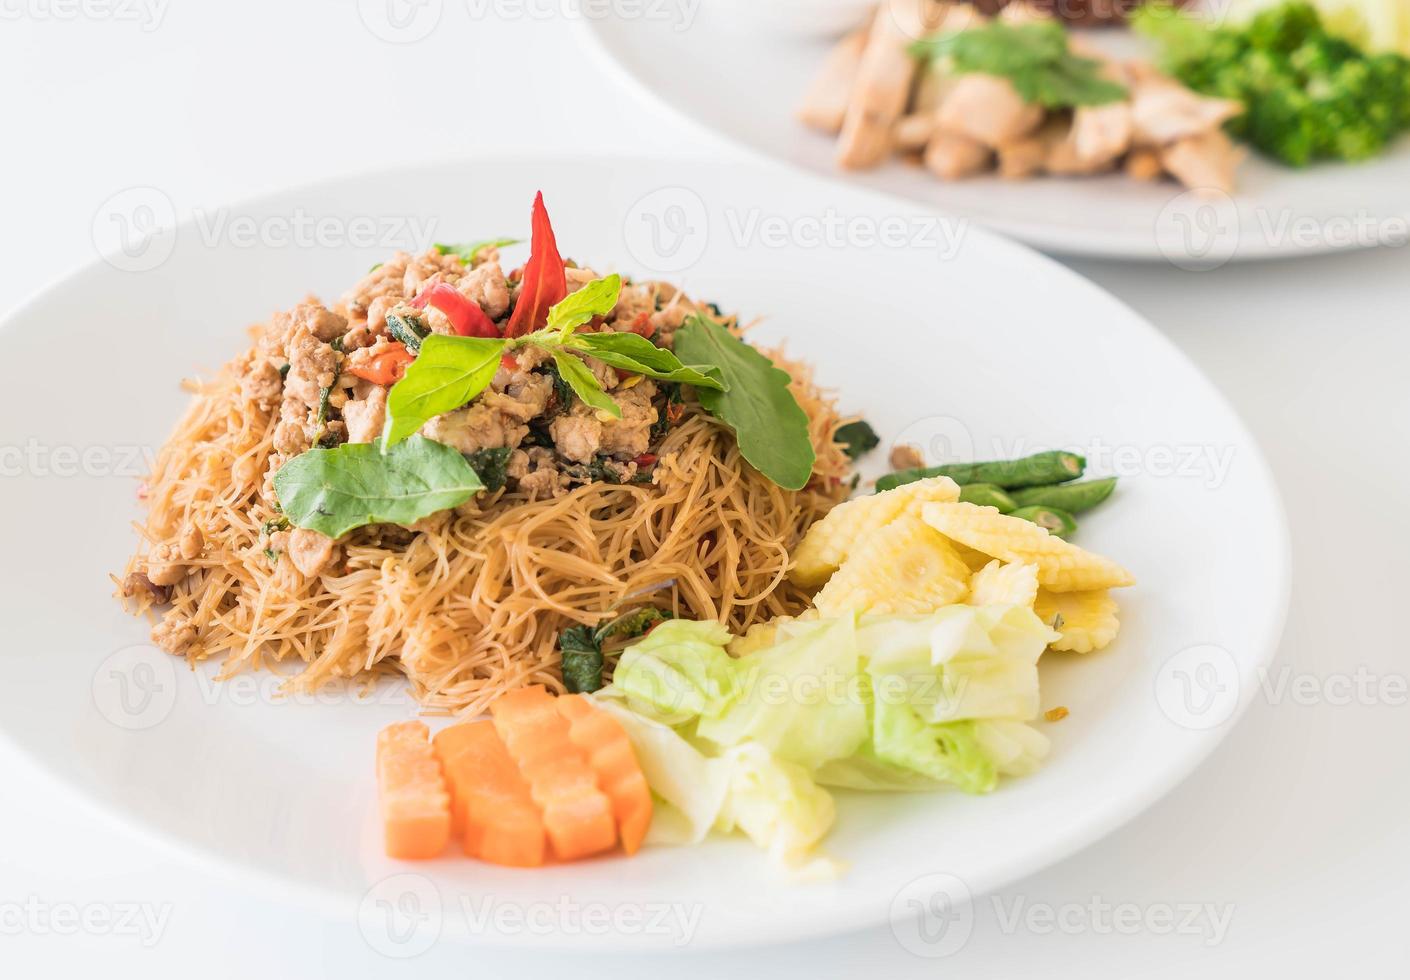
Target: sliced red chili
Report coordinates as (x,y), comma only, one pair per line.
(465,316)
(386,367)
(545,282)
(647,459)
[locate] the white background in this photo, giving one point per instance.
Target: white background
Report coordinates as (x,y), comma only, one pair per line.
(1297,826)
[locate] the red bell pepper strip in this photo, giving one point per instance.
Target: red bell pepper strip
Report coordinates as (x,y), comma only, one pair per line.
(386,367)
(465,316)
(545,283)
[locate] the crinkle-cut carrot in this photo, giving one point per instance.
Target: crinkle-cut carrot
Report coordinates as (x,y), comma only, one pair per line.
(414,803)
(496,816)
(603,740)
(449,743)
(576,814)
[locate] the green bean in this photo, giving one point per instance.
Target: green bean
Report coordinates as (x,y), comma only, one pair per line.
(1037,470)
(1071,497)
(987,495)
(1058,522)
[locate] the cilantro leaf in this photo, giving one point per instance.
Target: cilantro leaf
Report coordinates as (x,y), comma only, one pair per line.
(1034,57)
(768,423)
(333,491)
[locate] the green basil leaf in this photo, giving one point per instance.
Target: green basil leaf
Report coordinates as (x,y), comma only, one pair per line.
(584,385)
(633,352)
(468,252)
(491,466)
(333,491)
(447,373)
(630,625)
(582,660)
(858,438)
(769,424)
(595,299)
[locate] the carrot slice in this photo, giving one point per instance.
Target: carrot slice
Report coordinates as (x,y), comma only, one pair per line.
(603,740)
(414,803)
(497,817)
(449,743)
(576,814)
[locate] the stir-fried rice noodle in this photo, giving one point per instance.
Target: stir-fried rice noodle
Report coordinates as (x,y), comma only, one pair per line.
(470,603)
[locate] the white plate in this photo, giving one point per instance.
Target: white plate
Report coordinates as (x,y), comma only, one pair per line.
(996,350)
(722,71)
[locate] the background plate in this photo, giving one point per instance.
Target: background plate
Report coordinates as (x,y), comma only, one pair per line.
(938,334)
(725,73)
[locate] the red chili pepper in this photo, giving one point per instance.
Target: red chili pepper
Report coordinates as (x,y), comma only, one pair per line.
(383,368)
(675,411)
(544,280)
(647,459)
(465,316)
(641,324)
(509,362)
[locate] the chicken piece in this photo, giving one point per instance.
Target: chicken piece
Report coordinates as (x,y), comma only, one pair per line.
(825,105)
(364,417)
(524,398)
(1143,163)
(630,436)
(914,131)
(883,81)
(486,285)
(310,551)
(578,277)
(377,312)
(577,435)
(477,426)
(952,157)
(1205,163)
(1023,158)
(905,456)
(633,301)
(165,567)
(1063,160)
(1163,111)
(988,109)
(1026,13)
(174,634)
(262,382)
(1101,134)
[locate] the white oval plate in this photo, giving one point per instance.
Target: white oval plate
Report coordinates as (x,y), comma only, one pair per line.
(718,68)
(994,350)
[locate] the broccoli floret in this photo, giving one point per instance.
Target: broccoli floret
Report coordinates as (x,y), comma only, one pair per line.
(1308,95)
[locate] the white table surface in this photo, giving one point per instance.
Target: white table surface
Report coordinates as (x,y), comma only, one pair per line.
(1296,828)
